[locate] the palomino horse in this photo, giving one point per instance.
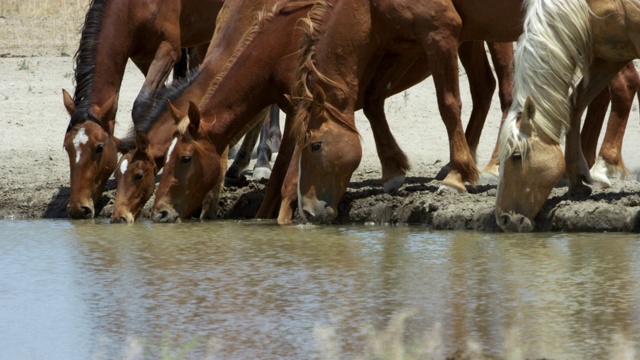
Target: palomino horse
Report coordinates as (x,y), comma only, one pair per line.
(182,190)
(150,34)
(595,37)
(330,80)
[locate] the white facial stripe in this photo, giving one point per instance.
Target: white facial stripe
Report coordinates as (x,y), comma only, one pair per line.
(80,139)
(123,166)
(173,144)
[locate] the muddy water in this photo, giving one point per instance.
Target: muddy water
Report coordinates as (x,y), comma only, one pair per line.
(250,290)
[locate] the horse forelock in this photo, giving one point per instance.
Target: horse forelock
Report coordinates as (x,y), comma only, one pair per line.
(309,77)
(555,46)
(85,60)
(511,139)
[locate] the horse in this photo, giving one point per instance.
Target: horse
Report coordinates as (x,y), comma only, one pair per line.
(180,193)
(595,38)
(155,131)
(151,34)
(325,124)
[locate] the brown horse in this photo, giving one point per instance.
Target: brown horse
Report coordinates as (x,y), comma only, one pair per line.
(150,33)
(598,38)
(196,154)
(159,126)
(330,79)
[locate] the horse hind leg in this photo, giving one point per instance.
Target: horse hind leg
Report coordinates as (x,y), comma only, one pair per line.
(623,88)
(243,156)
(502,59)
(269,143)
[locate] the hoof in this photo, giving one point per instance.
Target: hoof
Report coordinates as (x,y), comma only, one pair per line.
(443,173)
(261,173)
(488,179)
(391,186)
(600,174)
(579,191)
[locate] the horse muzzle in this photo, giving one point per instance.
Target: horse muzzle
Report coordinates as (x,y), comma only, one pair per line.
(165,215)
(80,211)
(124,218)
(514,223)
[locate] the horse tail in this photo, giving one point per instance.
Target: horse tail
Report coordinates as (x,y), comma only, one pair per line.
(307,94)
(554,48)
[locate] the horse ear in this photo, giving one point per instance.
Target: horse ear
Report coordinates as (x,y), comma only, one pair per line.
(528,113)
(120,145)
(68,102)
(142,141)
(317,105)
(176,113)
(107,112)
(194,116)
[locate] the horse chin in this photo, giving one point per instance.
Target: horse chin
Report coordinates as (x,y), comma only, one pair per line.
(514,223)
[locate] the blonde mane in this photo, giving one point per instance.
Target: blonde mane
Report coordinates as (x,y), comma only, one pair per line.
(307,93)
(553,50)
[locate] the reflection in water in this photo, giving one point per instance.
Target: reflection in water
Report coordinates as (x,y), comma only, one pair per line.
(82,289)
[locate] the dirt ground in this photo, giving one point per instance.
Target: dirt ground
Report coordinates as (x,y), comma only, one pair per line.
(34,167)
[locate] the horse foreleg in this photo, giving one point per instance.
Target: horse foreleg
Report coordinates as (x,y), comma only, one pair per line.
(442,50)
(576,165)
(623,88)
(593,124)
(275,186)
(502,59)
(166,56)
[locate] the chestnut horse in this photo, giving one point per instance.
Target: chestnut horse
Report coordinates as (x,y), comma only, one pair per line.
(596,38)
(196,154)
(330,80)
(150,33)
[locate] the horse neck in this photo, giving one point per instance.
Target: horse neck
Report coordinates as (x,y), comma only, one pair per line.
(264,63)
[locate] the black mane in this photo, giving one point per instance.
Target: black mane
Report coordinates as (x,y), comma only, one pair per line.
(158,104)
(85,63)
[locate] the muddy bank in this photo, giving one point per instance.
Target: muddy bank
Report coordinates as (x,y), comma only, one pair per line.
(419,202)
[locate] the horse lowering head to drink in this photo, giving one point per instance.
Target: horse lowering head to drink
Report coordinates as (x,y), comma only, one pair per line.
(151,35)
(561,39)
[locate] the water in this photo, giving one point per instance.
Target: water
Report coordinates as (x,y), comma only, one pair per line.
(254,290)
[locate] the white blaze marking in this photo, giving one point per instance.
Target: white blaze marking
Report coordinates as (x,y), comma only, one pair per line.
(173,144)
(123,166)
(80,139)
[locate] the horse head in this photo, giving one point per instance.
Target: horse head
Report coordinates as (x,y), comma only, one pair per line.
(193,168)
(92,150)
(135,178)
(531,164)
(328,153)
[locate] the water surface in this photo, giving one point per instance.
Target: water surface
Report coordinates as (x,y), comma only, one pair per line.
(254,290)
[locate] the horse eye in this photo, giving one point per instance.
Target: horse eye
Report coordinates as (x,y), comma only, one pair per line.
(99,148)
(138,176)
(185,159)
(516,156)
(316,146)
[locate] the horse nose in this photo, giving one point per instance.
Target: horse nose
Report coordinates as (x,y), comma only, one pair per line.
(323,215)
(515,223)
(118,220)
(87,212)
(165,215)
(503,220)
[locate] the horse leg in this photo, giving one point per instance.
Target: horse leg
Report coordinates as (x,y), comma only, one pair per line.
(275,187)
(166,55)
(601,72)
(593,124)
(623,88)
(502,59)
(482,84)
(181,67)
(262,168)
(393,160)
(243,156)
(442,51)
